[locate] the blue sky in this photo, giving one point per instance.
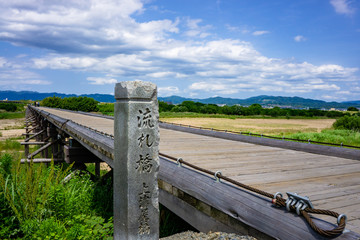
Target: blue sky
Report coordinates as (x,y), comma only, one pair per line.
(198,48)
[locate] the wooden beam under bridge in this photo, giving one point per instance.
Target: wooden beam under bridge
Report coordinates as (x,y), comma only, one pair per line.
(42,149)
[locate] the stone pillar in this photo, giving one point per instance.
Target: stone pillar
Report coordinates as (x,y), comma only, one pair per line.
(136,163)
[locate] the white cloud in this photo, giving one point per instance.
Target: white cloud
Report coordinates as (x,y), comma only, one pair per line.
(213,87)
(259,33)
(20,79)
(98,37)
(299,38)
(342,6)
(78,26)
(2,62)
(232,28)
(12,76)
(195,30)
(168,91)
(101,81)
(221,67)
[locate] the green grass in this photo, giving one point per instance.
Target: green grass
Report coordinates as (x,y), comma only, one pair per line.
(347,137)
(35,203)
(12,115)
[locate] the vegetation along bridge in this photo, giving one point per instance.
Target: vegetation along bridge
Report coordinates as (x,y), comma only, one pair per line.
(201,169)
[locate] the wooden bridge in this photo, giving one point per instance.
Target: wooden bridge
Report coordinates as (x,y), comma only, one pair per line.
(329,176)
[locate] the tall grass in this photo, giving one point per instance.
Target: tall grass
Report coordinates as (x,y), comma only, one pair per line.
(35,203)
(347,137)
(10,144)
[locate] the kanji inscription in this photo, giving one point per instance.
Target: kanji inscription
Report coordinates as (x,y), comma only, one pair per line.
(144,164)
(145,138)
(145,119)
(144,200)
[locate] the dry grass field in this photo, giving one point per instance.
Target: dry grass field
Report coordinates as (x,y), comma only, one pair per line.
(264,126)
(11,128)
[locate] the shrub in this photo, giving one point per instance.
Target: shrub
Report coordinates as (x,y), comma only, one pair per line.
(348,122)
(78,227)
(9,107)
(106,108)
(53,102)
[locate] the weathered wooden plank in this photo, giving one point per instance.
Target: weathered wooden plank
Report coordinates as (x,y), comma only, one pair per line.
(334,192)
(79,155)
(311,148)
(42,160)
(196,218)
(30,129)
(289,175)
(27,134)
(41,149)
(33,143)
(248,208)
(34,135)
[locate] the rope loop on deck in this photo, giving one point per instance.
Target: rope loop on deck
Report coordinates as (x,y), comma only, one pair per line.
(300,207)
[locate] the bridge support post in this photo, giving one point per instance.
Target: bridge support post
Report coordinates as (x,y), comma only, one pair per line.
(136,163)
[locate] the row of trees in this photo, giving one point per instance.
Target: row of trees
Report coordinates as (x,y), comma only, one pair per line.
(254,109)
(84,104)
(87,104)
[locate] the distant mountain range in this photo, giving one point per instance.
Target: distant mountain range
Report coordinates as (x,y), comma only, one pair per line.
(264,100)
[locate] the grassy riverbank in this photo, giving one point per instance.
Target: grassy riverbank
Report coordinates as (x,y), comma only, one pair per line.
(305,128)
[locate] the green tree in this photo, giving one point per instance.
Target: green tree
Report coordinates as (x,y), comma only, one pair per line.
(353,109)
(210,109)
(179,108)
(165,107)
(192,106)
(255,109)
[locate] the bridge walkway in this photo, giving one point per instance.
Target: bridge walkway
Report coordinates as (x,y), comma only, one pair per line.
(331,183)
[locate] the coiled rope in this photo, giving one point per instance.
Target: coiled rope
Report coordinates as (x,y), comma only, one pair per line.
(277,200)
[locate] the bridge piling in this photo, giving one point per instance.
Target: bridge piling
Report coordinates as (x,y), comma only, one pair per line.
(136,163)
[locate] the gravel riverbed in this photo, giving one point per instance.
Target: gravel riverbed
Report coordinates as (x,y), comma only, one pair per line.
(207,236)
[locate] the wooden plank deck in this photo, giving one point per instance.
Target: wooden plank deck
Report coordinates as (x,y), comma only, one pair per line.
(330,182)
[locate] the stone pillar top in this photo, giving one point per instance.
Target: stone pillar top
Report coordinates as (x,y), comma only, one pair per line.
(135,90)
